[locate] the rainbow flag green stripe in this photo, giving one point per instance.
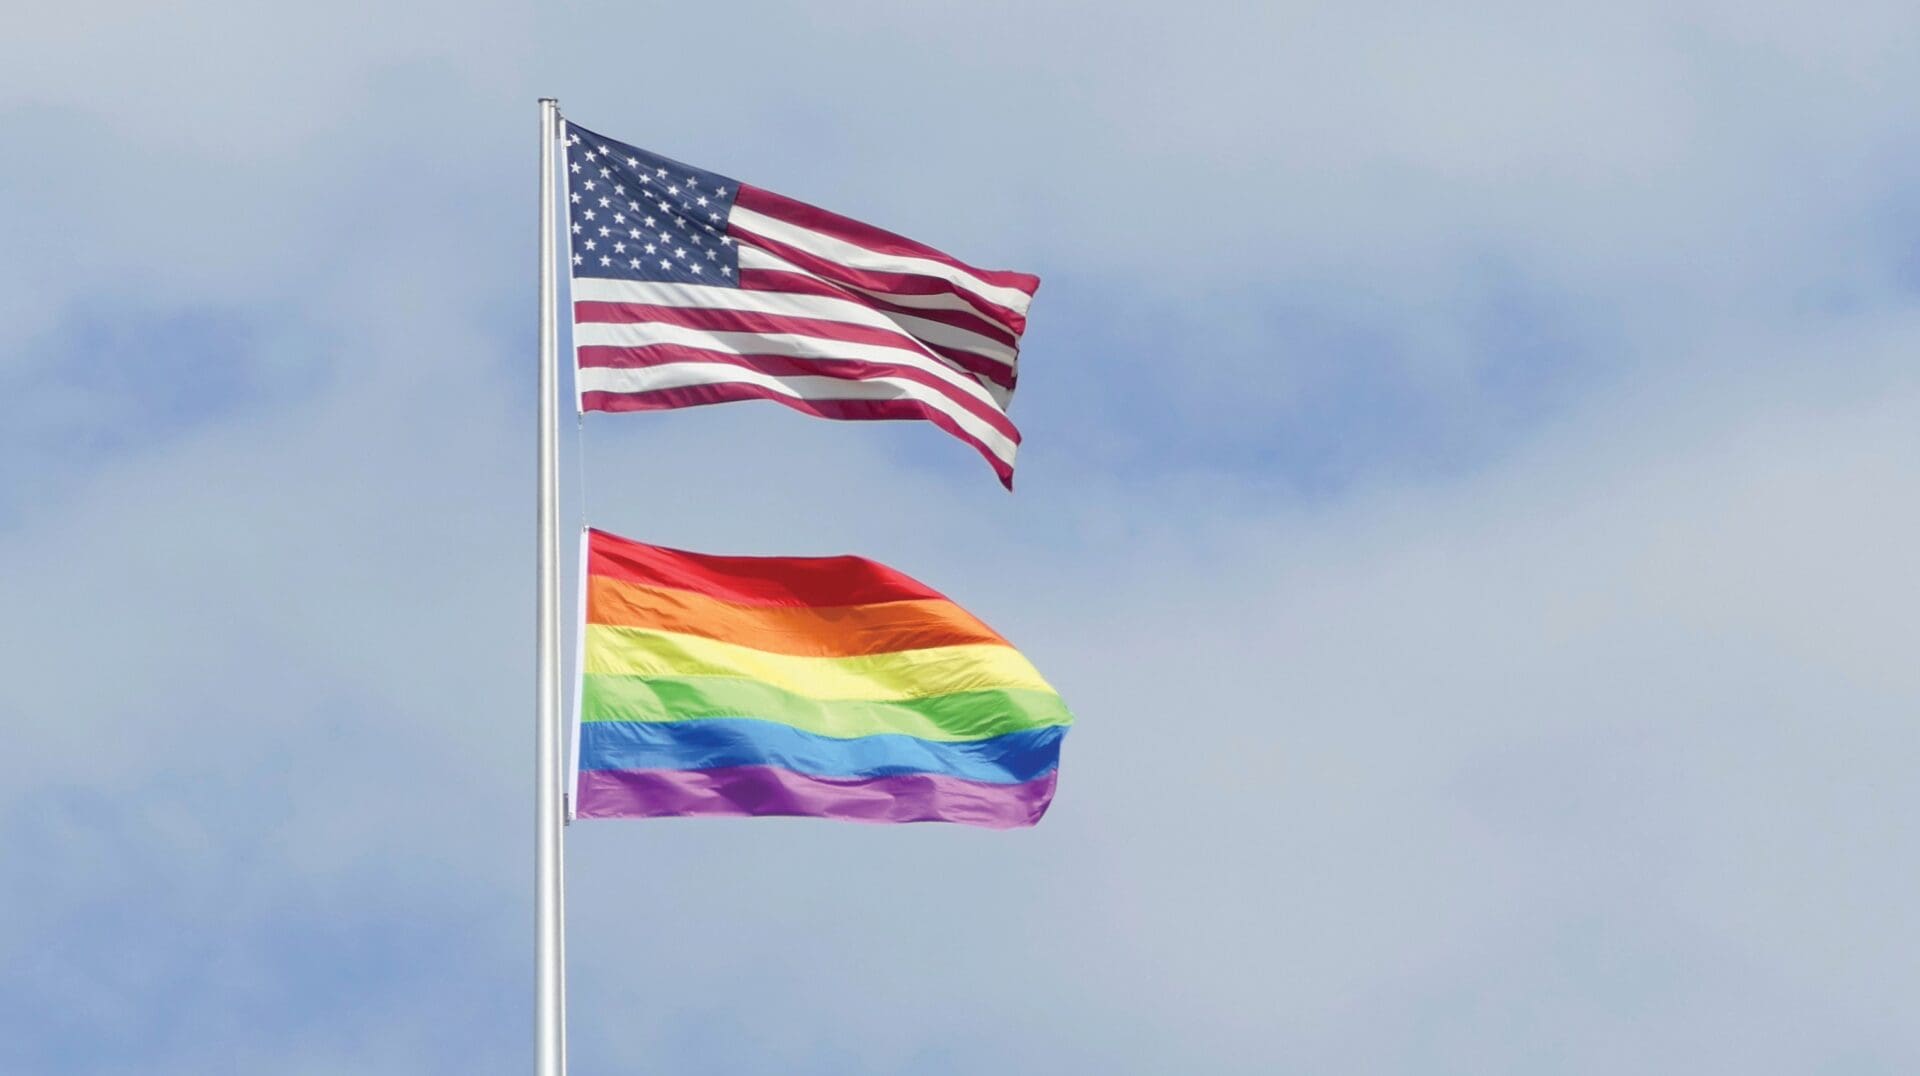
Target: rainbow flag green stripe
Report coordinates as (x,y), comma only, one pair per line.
(826,686)
(962,715)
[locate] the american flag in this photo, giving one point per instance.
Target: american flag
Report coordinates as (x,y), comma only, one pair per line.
(692,288)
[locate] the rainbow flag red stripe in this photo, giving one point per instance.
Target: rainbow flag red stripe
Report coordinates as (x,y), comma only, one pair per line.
(833,687)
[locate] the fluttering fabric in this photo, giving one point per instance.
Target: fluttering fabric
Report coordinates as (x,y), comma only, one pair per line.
(832,687)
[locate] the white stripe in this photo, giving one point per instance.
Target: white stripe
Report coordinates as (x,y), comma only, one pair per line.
(790,304)
(791,345)
(752,257)
(688,374)
(953,336)
(839,250)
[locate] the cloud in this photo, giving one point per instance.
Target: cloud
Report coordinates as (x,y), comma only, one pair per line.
(1465,501)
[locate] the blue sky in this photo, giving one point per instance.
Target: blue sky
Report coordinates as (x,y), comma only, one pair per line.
(1467,498)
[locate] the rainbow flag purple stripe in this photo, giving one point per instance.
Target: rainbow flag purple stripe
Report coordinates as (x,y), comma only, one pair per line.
(830,687)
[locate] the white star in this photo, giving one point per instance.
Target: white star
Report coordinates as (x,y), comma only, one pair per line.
(726,240)
(661,172)
(633,233)
(577,259)
(665,264)
(605,202)
(589,244)
(633,263)
(588,184)
(651,250)
(720,192)
(696,268)
(645,178)
(712,254)
(605,172)
(648,222)
(575,198)
(633,162)
(713,216)
(673,191)
(701,202)
(679,222)
(680,252)
(605,150)
(604,230)
(619,218)
(587,214)
(619,248)
(575,166)
(573,140)
(666,237)
(576,228)
(633,207)
(618,189)
(696,239)
(589,155)
(726,271)
(604,260)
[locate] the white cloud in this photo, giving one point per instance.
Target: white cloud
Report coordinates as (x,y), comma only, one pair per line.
(1586,752)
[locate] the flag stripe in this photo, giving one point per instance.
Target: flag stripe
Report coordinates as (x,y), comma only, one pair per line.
(898,350)
(908,291)
(964,715)
(790,279)
(903,674)
(829,582)
(752,226)
(690,384)
(847,371)
(825,222)
(739,332)
(601,299)
(716,743)
(931,327)
(758,791)
(842,631)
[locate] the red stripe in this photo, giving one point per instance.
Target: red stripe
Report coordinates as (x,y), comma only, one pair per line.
(802,284)
(978,365)
(994,370)
(781,207)
(895,283)
(627,358)
(780,581)
(715,319)
(855,410)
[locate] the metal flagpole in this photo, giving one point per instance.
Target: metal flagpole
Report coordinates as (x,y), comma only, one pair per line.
(550,958)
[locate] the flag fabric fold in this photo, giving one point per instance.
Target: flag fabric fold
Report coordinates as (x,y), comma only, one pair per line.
(691,288)
(832,687)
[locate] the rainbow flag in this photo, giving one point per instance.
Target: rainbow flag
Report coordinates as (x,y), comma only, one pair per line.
(833,687)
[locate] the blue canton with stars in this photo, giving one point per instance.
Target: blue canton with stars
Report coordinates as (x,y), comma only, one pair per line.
(635,215)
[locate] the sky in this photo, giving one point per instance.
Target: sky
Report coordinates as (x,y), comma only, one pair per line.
(1467,499)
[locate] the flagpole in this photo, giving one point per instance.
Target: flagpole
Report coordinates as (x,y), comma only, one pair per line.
(550,1004)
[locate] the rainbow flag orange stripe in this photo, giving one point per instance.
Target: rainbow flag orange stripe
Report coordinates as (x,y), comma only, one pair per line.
(833,687)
